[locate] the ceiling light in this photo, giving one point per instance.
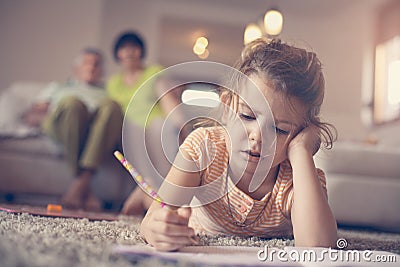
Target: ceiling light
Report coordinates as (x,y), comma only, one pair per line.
(273,22)
(251,33)
(202,41)
(200,47)
(198,50)
(205,54)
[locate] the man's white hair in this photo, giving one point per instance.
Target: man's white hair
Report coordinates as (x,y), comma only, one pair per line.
(88,50)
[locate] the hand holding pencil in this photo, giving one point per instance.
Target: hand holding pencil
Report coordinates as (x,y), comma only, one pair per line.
(149,190)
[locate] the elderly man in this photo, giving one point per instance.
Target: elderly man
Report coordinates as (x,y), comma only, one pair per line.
(78,114)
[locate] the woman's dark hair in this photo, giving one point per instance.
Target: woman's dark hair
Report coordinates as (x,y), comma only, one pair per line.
(131,38)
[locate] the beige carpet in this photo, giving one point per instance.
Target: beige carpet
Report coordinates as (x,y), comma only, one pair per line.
(27,240)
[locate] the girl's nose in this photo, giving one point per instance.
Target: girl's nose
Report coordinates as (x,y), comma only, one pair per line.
(255,134)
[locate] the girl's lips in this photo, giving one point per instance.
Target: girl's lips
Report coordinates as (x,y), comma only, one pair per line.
(252,155)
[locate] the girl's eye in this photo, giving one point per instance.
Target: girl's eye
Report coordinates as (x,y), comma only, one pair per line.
(280,131)
(246,117)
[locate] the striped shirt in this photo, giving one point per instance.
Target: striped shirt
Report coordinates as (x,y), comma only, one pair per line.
(235,212)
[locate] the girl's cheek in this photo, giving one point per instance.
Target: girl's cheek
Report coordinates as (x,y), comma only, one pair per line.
(236,127)
(282,144)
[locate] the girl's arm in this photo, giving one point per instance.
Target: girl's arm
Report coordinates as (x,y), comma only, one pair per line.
(167,229)
(313,222)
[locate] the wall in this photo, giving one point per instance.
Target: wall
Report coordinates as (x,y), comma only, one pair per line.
(39,38)
(147,18)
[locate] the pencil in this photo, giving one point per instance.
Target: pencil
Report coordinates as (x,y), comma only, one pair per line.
(141,182)
(138,178)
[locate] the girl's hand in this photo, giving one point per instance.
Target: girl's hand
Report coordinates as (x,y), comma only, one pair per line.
(307,140)
(166,229)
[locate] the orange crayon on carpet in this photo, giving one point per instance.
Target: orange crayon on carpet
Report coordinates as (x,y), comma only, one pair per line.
(54,208)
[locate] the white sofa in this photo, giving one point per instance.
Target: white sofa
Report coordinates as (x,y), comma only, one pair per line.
(32,164)
(363,184)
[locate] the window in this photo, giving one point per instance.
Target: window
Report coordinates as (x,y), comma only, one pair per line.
(387,81)
(386,97)
(201,94)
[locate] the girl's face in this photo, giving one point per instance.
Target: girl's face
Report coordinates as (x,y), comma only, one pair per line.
(129,55)
(254,132)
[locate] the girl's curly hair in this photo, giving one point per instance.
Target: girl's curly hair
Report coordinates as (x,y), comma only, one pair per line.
(292,71)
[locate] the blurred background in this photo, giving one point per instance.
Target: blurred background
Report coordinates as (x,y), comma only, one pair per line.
(39,38)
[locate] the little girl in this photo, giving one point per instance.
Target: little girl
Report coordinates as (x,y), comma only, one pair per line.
(291,198)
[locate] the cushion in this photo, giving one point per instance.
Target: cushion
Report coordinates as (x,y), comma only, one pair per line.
(35,146)
(365,201)
(360,159)
(14,101)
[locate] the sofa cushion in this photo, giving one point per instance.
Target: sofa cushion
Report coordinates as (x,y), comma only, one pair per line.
(14,101)
(29,174)
(361,160)
(365,201)
(35,146)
